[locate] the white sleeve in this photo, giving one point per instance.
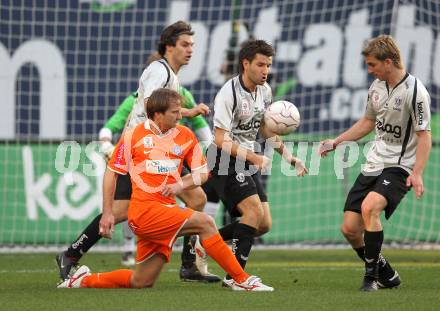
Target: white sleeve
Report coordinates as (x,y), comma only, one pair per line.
(223,105)
(268,96)
(154,77)
(204,135)
(372,101)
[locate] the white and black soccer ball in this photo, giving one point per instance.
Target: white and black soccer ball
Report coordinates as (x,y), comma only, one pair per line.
(282,117)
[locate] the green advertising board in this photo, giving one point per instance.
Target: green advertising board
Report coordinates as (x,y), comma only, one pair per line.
(49,193)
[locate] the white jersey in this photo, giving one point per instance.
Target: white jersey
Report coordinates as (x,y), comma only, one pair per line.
(240,112)
(157,75)
(399,113)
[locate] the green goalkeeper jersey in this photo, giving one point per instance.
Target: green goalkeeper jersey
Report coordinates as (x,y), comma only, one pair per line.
(117,121)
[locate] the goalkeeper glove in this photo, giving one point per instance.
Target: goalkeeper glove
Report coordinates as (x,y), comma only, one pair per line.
(106,149)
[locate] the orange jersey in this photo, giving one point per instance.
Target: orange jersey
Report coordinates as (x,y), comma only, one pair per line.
(155,160)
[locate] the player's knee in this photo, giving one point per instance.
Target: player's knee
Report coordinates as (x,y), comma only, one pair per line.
(264,227)
(208,222)
(203,220)
(205,224)
(348,232)
(369,209)
(137,283)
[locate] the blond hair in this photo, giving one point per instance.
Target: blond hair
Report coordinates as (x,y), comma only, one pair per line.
(160,100)
(383,47)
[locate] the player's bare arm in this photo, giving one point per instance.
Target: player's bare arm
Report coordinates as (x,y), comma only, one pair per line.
(279,147)
(107,223)
(422,155)
(200,109)
(224,141)
(190,181)
(358,130)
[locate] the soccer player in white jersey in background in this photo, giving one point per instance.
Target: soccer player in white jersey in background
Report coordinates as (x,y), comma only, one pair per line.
(238,116)
(175,47)
(398,108)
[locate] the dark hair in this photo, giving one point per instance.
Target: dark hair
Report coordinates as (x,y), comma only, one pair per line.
(160,100)
(171,34)
(251,48)
(383,47)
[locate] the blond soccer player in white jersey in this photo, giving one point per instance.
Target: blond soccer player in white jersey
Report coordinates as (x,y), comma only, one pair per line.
(398,109)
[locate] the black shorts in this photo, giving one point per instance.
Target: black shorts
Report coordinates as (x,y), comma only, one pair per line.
(234,188)
(391,183)
(123,187)
(210,192)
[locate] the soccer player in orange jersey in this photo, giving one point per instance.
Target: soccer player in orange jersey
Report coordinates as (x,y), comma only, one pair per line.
(153,153)
(175,51)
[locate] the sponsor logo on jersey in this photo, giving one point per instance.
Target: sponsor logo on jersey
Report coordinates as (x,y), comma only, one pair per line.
(120,155)
(245,110)
(148,142)
(375,99)
(177,150)
(397,104)
(396,130)
(162,167)
(246,126)
(420,113)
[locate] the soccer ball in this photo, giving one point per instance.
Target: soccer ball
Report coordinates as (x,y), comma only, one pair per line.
(282,117)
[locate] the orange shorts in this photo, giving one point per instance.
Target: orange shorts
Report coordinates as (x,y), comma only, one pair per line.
(156,226)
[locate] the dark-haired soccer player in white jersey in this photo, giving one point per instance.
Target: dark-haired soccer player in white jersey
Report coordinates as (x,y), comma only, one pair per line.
(398,108)
(238,116)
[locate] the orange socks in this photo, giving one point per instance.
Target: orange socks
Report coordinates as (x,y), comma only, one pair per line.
(214,246)
(222,254)
(115,279)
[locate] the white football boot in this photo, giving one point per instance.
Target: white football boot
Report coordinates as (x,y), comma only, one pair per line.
(202,260)
(74,281)
(227,282)
(252,284)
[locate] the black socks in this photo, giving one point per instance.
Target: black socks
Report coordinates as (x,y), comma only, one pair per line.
(188,254)
(85,240)
(373,244)
(242,241)
(228,231)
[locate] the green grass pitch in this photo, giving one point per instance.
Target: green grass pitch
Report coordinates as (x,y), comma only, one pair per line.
(303,280)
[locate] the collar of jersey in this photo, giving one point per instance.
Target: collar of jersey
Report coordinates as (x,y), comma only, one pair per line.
(400,82)
(167,63)
(240,79)
(149,123)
